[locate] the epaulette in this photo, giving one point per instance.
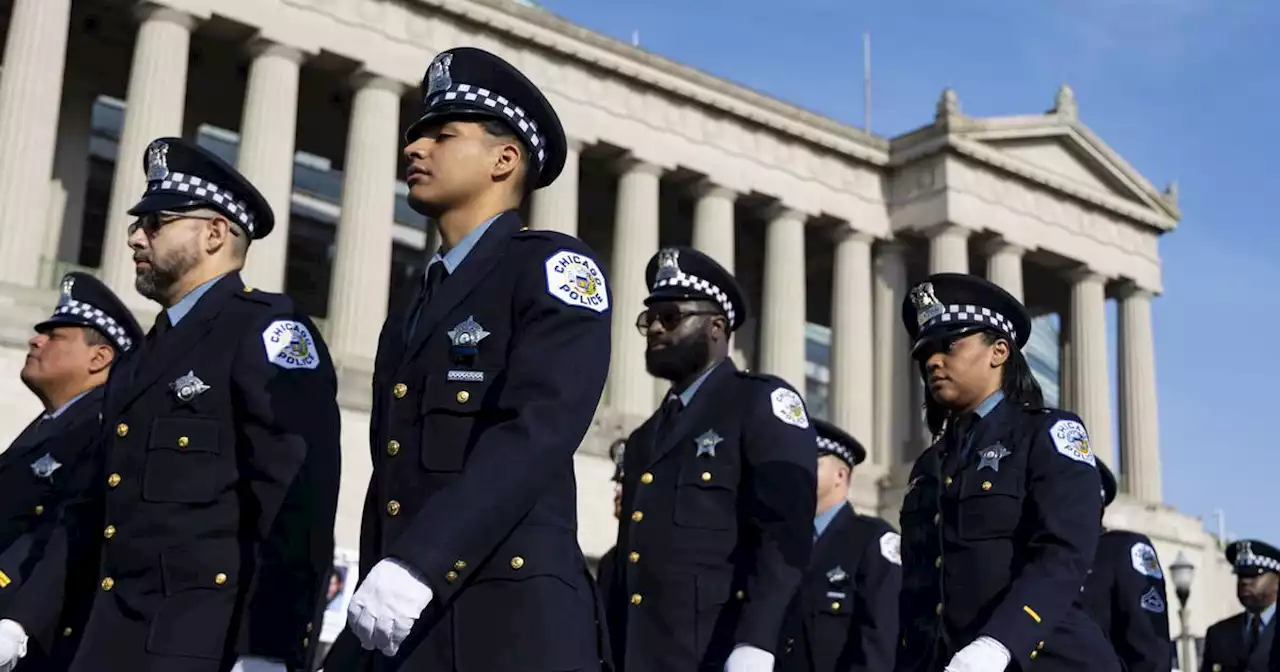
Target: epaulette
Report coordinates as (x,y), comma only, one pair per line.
(271,299)
(1038,410)
(755,375)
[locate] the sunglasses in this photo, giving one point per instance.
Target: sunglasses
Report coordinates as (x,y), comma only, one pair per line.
(669,316)
(152,222)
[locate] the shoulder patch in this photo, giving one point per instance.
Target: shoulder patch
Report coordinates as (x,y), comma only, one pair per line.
(575,279)
(290,345)
(1071,439)
(891,547)
(1145,561)
(1152,602)
(789,408)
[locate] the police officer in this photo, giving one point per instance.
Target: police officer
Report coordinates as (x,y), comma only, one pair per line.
(608,561)
(1243,643)
(483,389)
(718,488)
(845,615)
(1125,594)
(1002,514)
(214,506)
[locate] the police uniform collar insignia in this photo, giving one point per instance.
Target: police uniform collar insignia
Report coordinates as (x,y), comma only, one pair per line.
(707,443)
(991,457)
(157,161)
(926,303)
(438,76)
(668,265)
(188,387)
(45,466)
(837,575)
(467,334)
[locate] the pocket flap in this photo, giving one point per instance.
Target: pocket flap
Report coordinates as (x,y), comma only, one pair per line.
(534,555)
(986,483)
(458,391)
(187,435)
(714,590)
(707,474)
(213,566)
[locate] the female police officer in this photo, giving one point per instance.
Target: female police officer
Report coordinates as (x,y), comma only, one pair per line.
(1002,514)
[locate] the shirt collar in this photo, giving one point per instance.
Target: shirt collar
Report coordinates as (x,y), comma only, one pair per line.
(1266,615)
(822,520)
(989,404)
(184,305)
(453,258)
(61,409)
(686,397)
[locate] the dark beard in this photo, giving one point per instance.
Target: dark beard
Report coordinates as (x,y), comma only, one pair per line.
(678,361)
(161,275)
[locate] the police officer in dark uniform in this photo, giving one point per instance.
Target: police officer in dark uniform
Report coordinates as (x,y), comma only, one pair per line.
(718,488)
(211,519)
(845,615)
(1243,643)
(608,561)
(1125,594)
(483,389)
(1002,514)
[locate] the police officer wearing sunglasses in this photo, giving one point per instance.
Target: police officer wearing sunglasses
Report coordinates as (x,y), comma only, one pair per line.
(718,489)
(1002,514)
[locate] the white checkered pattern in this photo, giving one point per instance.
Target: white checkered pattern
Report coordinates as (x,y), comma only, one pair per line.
(93,316)
(703,286)
(482,96)
(193,185)
(836,448)
(1247,558)
(972,313)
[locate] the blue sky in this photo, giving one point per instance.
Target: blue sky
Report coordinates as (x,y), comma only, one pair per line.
(1186,90)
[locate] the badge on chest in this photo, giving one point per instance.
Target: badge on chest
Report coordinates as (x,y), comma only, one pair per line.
(707,443)
(186,388)
(464,351)
(45,466)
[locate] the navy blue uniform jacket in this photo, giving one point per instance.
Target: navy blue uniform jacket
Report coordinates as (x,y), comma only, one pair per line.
(1226,649)
(1125,594)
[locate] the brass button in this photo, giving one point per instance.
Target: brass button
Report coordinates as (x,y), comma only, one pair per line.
(399,390)
(109,531)
(937,562)
(122,430)
(39,509)
(113,480)
(949,480)
(517,562)
(740,595)
(183,442)
(636,599)
(937,518)
(646,478)
(463,396)
(393,507)
(310,628)
(938,609)
(108,583)
(459,565)
(306,641)
(637,516)
(634,557)
(220,578)
(1040,646)
(986,485)
(1034,654)
(835,606)
(706,476)
(66,632)
(451,576)
(393,447)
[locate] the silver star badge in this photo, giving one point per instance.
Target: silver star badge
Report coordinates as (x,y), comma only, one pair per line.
(45,466)
(837,575)
(707,443)
(438,76)
(468,333)
(926,303)
(157,161)
(991,457)
(188,387)
(668,264)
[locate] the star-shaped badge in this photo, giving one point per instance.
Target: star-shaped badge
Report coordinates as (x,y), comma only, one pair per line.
(45,466)
(837,575)
(991,457)
(707,443)
(188,387)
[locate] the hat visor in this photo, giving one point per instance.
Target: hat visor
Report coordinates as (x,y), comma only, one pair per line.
(945,332)
(161,201)
(1251,570)
(675,293)
(66,321)
(447,112)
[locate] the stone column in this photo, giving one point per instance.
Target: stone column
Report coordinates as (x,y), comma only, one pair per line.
(1066,362)
(1091,386)
(852,340)
(949,249)
(1139,427)
(893,370)
(713,223)
(635,241)
(555,207)
(70,179)
(154,109)
(358,290)
(35,56)
(782,317)
(1004,266)
(267,130)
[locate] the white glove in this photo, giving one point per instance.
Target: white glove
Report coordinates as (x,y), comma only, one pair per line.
(256,664)
(747,658)
(385,607)
(983,655)
(13,644)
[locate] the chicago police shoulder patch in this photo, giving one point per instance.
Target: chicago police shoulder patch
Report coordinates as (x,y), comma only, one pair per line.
(290,345)
(891,547)
(576,279)
(1071,439)
(789,408)
(1145,561)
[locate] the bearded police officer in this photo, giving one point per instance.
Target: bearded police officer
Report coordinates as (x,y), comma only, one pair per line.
(483,389)
(1243,643)
(718,488)
(212,514)
(845,615)
(1125,594)
(1002,514)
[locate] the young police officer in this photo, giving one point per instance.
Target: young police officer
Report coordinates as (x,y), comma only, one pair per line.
(482,391)
(718,489)
(1125,594)
(1243,643)
(1002,514)
(211,520)
(845,616)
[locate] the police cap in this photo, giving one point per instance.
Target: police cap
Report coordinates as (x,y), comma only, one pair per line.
(1251,557)
(834,441)
(1109,485)
(470,83)
(948,305)
(182,175)
(683,273)
(86,302)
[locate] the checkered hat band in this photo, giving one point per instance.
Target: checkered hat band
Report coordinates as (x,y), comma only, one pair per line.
(701,286)
(971,313)
(482,97)
(93,316)
(836,448)
(198,187)
(1255,560)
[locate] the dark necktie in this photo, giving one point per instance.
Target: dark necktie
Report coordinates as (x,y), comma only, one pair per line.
(436,273)
(1255,630)
(666,419)
(158,331)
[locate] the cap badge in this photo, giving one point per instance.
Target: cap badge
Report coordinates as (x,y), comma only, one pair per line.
(991,457)
(926,302)
(707,443)
(188,387)
(668,264)
(1246,557)
(67,283)
(438,76)
(157,161)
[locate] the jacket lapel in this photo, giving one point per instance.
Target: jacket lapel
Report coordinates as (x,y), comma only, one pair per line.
(988,430)
(707,395)
(463,280)
(37,434)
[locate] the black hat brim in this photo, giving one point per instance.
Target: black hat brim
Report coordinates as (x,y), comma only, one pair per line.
(160,202)
(68,321)
(939,334)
